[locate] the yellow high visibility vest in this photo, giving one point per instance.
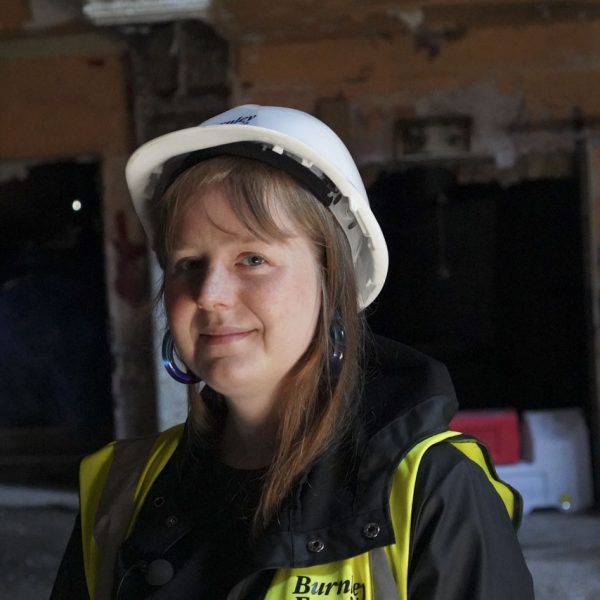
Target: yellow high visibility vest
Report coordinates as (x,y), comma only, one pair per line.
(115,481)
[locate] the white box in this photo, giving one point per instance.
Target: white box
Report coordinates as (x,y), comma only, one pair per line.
(555,470)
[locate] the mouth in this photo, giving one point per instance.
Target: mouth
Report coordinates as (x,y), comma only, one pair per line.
(224,336)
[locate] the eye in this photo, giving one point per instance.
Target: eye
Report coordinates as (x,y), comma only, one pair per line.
(188,265)
(253,260)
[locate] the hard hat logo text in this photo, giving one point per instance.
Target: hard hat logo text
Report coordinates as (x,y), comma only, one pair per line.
(244,120)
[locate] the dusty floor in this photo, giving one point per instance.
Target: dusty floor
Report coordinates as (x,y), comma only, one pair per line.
(563,551)
(563,554)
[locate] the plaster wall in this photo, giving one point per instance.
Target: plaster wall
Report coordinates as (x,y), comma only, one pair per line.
(521,86)
(65,97)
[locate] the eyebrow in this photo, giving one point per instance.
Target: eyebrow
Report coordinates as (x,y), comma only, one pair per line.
(253,236)
(181,246)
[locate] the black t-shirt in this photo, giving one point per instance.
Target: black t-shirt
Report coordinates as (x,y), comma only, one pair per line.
(193,531)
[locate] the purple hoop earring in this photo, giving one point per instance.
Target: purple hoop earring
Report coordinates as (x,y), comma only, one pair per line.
(338,344)
(168,357)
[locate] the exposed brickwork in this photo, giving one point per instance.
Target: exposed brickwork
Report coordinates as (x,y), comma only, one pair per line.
(180,76)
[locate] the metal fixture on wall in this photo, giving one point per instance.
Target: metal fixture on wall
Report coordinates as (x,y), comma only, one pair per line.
(436,136)
(125,12)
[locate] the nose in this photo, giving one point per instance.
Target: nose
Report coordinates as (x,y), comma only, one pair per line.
(216,289)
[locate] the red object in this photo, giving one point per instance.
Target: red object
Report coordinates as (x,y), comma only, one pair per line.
(497,429)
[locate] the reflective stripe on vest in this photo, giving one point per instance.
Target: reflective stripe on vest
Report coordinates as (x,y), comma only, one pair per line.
(115,482)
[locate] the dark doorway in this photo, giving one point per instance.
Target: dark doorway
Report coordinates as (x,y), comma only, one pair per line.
(55,388)
(489,280)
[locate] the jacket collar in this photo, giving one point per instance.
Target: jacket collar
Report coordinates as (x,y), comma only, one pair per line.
(344,498)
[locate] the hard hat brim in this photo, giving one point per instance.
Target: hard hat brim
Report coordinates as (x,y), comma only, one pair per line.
(369,249)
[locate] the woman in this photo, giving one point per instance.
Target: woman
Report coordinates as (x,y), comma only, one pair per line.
(313,463)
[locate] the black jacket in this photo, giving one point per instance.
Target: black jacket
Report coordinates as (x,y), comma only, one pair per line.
(463,543)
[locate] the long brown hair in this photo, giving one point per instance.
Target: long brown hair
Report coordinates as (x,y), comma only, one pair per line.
(317,409)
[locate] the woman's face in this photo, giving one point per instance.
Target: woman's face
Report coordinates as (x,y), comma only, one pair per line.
(242,310)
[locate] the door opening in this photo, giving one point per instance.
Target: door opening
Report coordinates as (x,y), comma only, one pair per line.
(55,370)
(490,280)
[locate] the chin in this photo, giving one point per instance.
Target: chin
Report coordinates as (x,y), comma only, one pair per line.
(227,371)
(230,384)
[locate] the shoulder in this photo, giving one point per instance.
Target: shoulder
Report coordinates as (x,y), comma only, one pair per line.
(454,485)
(138,446)
(442,465)
(463,543)
(125,460)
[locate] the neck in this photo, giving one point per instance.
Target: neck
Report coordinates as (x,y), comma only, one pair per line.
(248,440)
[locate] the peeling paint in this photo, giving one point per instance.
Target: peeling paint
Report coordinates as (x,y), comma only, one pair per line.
(492,113)
(502,129)
(130,280)
(431,41)
(412,18)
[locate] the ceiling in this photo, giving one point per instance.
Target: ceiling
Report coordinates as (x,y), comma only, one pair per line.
(260,21)
(310,19)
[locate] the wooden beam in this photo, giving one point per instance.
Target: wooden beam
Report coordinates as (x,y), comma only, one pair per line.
(261,21)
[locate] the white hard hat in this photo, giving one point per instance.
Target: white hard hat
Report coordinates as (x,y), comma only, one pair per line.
(291,140)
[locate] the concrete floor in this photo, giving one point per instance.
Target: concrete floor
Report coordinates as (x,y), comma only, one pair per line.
(563,554)
(562,550)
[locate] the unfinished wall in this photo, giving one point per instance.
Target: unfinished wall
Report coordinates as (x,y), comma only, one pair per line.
(522,86)
(77,93)
(67,98)
(13,15)
(180,76)
(530,90)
